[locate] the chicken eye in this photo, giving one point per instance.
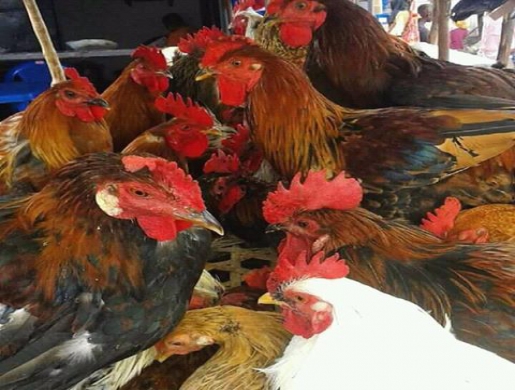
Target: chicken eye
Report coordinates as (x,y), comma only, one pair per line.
(185,127)
(69,94)
(298,298)
(177,344)
(303,224)
(140,193)
(236,63)
(301,5)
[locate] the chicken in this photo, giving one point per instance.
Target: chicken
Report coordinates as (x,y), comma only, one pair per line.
(473,285)
(247,295)
(464,9)
(249,340)
(351,336)
(98,265)
(61,124)
(245,17)
(132,96)
(171,374)
(488,223)
(406,157)
(191,133)
(235,190)
(388,72)
(185,67)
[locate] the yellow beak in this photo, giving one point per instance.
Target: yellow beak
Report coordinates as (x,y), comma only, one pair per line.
(213,131)
(204,74)
(266,299)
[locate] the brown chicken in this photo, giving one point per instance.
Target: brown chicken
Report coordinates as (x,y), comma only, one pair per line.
(61,124)
(191,134)
(402,155)
(98,265)
(472,285)
(132,95)
(358,64)
(247,340)
(488,223)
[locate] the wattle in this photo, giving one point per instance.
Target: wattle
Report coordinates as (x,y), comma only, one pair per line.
(296,35)
(84,113)
(159,228)
(232,93)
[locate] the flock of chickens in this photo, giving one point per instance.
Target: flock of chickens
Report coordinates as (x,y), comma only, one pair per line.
(355,153)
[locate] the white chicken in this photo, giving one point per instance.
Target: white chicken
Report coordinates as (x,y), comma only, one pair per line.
(351,336)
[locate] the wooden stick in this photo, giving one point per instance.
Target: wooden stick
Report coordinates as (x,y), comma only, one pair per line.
(503,56)
(39,27)
(433,32)
(444,10)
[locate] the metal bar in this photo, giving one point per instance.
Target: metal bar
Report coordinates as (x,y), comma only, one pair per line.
(67,54)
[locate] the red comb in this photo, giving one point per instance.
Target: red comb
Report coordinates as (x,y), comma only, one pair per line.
(274,6)
(222,163)
(257,278)
(239,141)
(287,270)
(199,40)
(245,4)
(152,55)
(442,220)
(315,193)
(218,48)
(169,175)
(192,112)
(79,81)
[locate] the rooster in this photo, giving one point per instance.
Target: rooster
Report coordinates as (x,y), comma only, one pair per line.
(235,188)
(191,133)
(132,95)
(97,266)
(176,369)
(351,336)
(186,65)
(61,124)
(353,60)
(472,284)
(488,223)
(402,155)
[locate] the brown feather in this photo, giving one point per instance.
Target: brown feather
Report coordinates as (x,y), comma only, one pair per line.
(132,109)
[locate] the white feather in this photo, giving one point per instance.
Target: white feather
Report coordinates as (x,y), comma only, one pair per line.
(79,349)
(118,374)
(380,342)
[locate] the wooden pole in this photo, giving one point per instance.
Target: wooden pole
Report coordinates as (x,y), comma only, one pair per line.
(503,56)
(39,27)
(433,32)
(444,12)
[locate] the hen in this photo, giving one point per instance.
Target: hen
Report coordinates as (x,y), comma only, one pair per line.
(488,223)
(132,95)
(402,155)
(97,266)
(473,285)
(351,336)
(356,63)
(248,340)
(60,125)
